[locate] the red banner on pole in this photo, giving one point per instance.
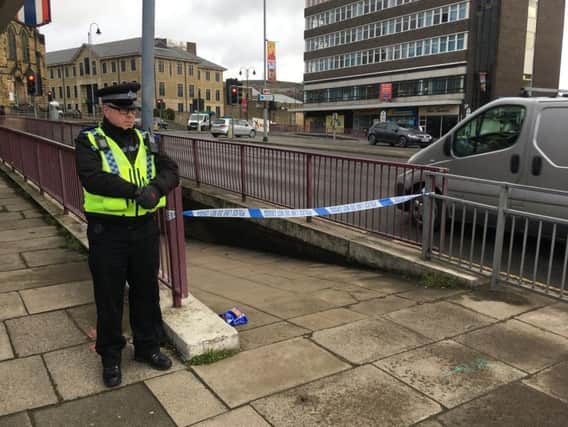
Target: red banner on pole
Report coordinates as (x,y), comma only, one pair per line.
(385,92)
(271,60)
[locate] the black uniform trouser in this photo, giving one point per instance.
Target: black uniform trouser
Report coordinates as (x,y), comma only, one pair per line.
(121,252)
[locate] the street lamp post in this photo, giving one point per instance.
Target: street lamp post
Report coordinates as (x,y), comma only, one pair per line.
(247,70)
(265,113)
(90,43)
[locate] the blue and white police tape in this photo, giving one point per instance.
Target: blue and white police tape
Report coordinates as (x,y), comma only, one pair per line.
(291,213)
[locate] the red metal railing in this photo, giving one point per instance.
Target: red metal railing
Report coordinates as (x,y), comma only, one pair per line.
(60,131)
(297,180)
(50,166)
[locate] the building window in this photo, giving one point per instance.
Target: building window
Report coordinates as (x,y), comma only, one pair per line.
(60,92)
(191,91)
(217,77)
(170,67)
(190,70)
(68,91)
(105,85)
(198,74)
(180,107)
(217,95)
(208,108)
(113,67)
(53,91)
(133,64)
(180,90)
(160,67)
(94,65)
(104,67)
(208,94)
(207,75)
(87,67)
(179,68)
(162,89)
(75,91)
(123,65)
(51,73)
(81,69)
(12,51)
(218,111)
(74,71)
(25,47)
(66,71)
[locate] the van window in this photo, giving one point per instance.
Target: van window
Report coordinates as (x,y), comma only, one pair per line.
(551,135)
(495,129)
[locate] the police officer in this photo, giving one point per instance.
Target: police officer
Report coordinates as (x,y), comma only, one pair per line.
(125,180)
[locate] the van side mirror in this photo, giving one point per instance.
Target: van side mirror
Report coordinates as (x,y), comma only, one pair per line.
(448,145)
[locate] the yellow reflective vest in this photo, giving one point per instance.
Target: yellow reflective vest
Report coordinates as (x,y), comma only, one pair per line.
(115,161)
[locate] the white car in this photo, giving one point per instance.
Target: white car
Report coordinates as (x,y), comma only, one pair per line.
(222,126)
(198,121)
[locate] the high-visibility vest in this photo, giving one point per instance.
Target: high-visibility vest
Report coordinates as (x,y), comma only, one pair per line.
(115,161)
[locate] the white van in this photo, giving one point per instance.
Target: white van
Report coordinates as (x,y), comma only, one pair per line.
(199,121)
(517,140)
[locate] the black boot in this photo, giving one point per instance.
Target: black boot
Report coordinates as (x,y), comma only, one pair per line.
(157,361)
(112,375)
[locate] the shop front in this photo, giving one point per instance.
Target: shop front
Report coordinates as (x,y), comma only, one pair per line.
(437,120)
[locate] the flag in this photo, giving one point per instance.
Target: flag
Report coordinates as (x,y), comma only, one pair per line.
(35,13)
(271,60)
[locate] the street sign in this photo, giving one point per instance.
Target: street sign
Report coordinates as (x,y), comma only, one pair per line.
(262,98)
(265,91)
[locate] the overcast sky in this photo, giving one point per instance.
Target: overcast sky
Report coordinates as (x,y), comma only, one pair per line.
(227,32)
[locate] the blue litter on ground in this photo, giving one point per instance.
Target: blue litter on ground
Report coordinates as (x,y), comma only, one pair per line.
(234,317)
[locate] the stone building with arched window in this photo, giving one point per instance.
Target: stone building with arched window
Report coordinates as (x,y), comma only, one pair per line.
(22,52)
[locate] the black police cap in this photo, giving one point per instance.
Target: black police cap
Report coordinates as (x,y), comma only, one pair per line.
(120,96)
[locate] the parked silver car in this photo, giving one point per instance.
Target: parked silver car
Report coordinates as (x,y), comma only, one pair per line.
(223,127)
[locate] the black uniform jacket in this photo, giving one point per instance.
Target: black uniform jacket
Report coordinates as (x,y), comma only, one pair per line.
(95,181)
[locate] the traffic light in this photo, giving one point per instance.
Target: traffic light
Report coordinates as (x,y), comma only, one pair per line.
(31,84)
(160,104)
(234,95)
(49,96)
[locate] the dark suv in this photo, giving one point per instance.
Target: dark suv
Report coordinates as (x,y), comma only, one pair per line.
(394,134)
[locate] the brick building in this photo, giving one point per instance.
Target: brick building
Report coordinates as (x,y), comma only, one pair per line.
(424,62)
(183,80)
(22,52)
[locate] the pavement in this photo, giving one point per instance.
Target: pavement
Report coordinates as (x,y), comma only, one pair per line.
(324,345)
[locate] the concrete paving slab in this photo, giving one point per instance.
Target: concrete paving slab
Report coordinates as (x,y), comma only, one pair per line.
(41,333)
(269,334)
(300,284)
(17,420)
(33,244)
(380,306)
(337,297)
(242,417)
(21,223)
(11,305)
(514,405)
(10,262)
(52,256)
(359,293)
(44,276)
(386,284)
(287,307)
(25,385)
(57,297)
(185,398)
(256,373)
(76,371)
(552,381)
(553,318)
(448,372)
(16,205)
(422,294)
(327,319)
(439,320)
(518,344)
(363,396)
(128,406)
(219,304)
(500,304)
(30,233)
(86,318)
(5,346)
(429,423)
(368,340)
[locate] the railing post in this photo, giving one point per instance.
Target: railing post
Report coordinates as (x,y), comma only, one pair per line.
(63,186)
(243,174)
(499,235)
(196,162)
(176,243)
(427,222)
(309,195)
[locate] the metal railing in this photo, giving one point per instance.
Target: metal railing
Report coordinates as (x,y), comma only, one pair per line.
(50,166)
(63,132)
(512,246)
(300,180)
